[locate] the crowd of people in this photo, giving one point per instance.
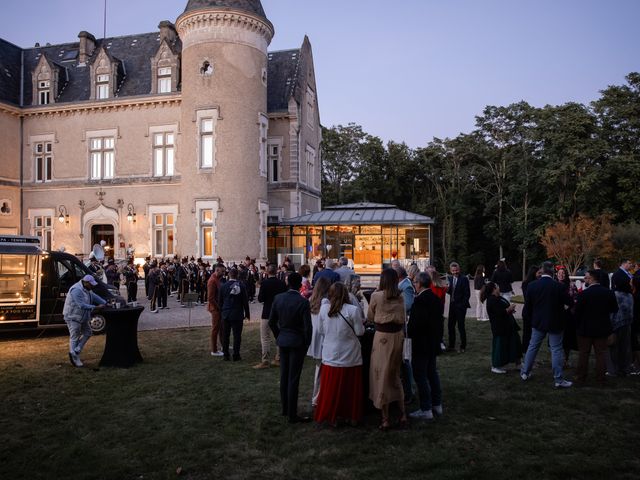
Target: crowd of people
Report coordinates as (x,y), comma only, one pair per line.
(373,348)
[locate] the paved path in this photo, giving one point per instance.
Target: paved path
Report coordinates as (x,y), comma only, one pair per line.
(177,317)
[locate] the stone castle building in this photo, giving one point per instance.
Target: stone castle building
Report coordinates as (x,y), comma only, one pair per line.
(187,141)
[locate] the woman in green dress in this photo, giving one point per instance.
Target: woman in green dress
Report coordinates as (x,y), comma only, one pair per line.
(506,346)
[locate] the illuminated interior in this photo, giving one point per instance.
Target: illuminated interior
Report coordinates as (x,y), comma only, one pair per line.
(18,279)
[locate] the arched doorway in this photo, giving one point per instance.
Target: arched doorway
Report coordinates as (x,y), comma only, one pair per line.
(104,232)
(102,223)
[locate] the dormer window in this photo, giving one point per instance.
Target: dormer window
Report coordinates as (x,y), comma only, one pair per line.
(46,81)
(164,80)
(44,92)
(102,87)
(165,65)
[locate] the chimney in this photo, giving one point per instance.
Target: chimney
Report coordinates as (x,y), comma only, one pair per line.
(87,46)
(167,31)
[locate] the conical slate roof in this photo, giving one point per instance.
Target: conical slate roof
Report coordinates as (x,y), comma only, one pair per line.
(250,6)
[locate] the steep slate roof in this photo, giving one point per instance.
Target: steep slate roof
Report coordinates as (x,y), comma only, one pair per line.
(360,214)
(10,59)
(282,78)
(134,51)
(285,68)
(251,6)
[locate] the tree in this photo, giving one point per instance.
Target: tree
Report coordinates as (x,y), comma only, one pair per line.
(579,239)
(340,159)
(618,116)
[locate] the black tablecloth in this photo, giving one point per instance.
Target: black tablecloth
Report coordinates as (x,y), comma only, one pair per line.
(121,345)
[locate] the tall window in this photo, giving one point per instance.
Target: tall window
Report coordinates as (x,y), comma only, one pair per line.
(163,154)
(311,162)
(43,92)
(42,229)
(311,107)
(103,158)
(274,162)
(43,161)
(264,128)
(164,80)
(206,143)
(163,231)
(102,87)
(206,232)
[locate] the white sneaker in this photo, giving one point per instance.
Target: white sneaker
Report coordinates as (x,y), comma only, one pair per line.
(525,376)
(437,409)
(217,354)
(422,415)
(75,359)
(563,383)
(154,311)
(498,370)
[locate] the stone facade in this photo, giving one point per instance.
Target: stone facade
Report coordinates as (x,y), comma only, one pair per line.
(164,143)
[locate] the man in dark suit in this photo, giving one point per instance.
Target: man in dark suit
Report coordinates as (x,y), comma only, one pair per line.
(594,307)
(459,294)
(269,288)
(620,351)
(234,308)
(425,331)
(603,276)
(290,321)
(545,304)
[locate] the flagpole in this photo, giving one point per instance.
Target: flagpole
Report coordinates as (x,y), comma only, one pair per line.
(104,31)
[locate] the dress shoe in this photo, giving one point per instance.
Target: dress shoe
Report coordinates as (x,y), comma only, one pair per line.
(299,419)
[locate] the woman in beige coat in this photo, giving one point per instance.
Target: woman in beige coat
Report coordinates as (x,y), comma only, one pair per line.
(387,312)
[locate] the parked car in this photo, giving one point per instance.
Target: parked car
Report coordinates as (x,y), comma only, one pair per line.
(59,272)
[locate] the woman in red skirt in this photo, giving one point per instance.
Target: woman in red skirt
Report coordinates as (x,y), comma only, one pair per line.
(341,375)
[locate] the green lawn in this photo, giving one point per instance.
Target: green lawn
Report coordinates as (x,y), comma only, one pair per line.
(182,410)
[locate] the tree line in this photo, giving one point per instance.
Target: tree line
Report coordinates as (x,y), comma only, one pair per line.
(521,178)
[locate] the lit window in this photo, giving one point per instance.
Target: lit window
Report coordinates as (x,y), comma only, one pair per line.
(164,80)
(163,154)
(206,143)
(102,156)
(163,234)
(43,92)
(274,162)
(43,161)
(42,228)
(206,233)
(102,87)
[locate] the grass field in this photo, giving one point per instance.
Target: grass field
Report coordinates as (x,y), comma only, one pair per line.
(184,414)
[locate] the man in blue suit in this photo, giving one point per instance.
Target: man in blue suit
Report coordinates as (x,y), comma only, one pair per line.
(545,303)
(459,294)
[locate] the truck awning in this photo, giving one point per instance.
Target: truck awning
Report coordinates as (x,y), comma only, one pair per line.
(18,249)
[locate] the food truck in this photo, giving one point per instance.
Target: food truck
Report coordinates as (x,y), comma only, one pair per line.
(34,285)
(20,263)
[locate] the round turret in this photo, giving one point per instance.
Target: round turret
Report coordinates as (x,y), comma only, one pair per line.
(224,121)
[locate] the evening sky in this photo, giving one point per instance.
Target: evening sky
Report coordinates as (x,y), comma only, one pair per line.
(408,70)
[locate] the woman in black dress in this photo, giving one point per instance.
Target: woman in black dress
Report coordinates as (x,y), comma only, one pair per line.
(506,346)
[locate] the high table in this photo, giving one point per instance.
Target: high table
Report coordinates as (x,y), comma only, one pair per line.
(121,345)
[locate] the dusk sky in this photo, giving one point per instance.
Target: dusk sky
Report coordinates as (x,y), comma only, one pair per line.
(408,70)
